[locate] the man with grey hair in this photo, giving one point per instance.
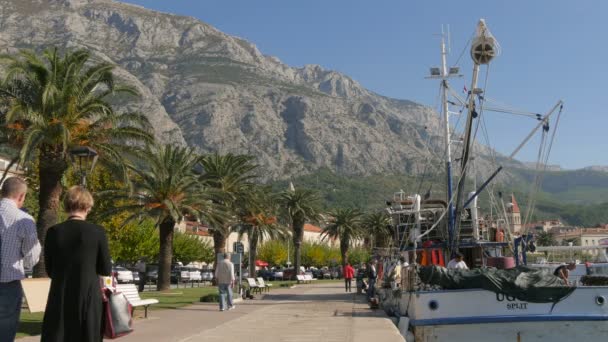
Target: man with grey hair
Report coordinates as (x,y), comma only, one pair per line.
(224,274)
(19,249)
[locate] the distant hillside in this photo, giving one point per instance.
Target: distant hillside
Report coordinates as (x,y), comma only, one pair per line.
(586,206)
(583,187)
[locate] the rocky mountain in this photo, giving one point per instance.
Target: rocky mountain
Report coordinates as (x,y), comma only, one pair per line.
(217,92)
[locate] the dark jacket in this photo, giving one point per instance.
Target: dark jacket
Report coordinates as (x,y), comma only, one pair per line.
(76,254)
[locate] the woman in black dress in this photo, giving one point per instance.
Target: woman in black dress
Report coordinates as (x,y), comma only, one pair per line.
(76,254)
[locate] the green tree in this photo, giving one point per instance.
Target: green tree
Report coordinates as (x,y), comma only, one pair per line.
(258,215)
(165,189)
(358,256)
(231,176)
(299,206)
(132,241)
(546,239)
(55,103)
(377,227)
(189,248)
(345,225)
(274,252)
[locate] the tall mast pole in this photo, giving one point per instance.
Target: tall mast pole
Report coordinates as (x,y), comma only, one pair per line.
(448,149)
(444,73)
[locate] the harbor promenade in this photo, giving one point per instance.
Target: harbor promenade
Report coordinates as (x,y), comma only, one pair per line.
(309,312)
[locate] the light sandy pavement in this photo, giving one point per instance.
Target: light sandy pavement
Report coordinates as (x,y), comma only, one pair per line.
(310,312)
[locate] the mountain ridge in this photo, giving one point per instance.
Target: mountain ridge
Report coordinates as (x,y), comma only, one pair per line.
(219,93)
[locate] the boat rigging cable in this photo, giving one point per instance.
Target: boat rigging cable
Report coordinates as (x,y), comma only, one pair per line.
(541,168)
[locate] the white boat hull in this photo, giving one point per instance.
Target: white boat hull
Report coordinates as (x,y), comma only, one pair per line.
(559,331)
(476,314)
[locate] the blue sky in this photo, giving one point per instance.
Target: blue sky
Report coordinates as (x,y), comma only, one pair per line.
(550,50)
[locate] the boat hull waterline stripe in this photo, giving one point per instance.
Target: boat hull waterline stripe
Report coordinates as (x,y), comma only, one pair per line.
(506,319)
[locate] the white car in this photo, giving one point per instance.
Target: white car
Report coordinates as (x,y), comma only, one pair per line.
(122,275)
(195,275)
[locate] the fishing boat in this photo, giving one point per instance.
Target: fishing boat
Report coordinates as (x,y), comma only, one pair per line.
(499,299)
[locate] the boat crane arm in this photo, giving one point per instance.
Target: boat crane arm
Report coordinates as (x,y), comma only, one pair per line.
(463,102)
(560,105)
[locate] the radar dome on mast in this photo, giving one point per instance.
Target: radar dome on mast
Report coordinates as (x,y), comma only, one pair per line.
(484,47)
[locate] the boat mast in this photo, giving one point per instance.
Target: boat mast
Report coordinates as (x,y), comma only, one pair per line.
(483,49)
(444,74)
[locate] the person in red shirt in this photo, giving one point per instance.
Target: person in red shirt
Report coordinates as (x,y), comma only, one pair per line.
(349,273)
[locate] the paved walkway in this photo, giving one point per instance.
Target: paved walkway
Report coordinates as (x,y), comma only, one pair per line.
(309,312)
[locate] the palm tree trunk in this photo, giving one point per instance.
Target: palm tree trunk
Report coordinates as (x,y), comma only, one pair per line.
(253,251)
(219,241)
(344,251)
(50,172)
(165,255)
(298,236)
(367,242)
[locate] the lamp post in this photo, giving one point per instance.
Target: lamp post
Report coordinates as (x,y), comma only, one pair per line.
(83,159)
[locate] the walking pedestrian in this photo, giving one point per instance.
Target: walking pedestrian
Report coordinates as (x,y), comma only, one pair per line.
(224,273)
(372,274)
(19,248)
(349,273)
(140,266)
(76,254)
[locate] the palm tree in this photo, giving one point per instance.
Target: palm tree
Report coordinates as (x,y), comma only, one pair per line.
(345,225)
(166,188)
(55,103)
(232,176)
(377,228)
(299,206)
(258,215)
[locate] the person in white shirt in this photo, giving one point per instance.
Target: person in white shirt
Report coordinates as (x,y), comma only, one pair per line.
(224,273)
(19,249)
(457,262)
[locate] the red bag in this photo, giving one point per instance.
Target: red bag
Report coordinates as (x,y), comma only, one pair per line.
(117,313)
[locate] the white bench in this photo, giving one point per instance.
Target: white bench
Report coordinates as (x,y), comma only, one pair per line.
(130,291)
(263,285)
(303,278)
(253,286)
(309,278)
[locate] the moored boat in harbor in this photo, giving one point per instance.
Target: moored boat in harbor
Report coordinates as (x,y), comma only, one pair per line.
(499,299)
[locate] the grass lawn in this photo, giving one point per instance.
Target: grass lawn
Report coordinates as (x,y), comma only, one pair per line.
(30,324)
(178,298)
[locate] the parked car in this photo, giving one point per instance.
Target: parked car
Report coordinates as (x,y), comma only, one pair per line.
(122,275)
(152,273)
(277,275)
(179,274)
(289,274)
(265,274)
(207,275)
(325,273)
(195,274)
(317,273)
(135,276)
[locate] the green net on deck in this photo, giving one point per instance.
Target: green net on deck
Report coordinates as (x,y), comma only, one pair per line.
(523,283)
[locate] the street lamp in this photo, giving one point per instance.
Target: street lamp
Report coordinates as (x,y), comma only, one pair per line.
(83,159)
